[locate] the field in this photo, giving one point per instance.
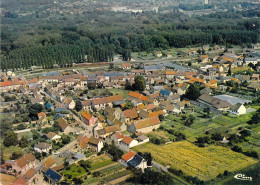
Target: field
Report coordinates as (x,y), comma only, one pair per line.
(74,171)
(123,92)
(205,163)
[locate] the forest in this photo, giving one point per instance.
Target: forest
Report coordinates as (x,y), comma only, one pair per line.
(46,39)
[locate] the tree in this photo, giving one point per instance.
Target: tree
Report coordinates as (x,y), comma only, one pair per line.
(229,70)
(23,142)
(139,83)
(78,106)
(91,86)
(111,66)
(6,126)
(129,105)
(128,85)
(84,164)
(65,139)
(16,155)
(192,92)
(189,120)
(34,109)
(10,139)
(96,174)
(189,64)
(161,117)
(216,137)
(207,111)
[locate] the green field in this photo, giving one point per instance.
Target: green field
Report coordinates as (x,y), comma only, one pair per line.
(205,163)
(74,171)
(123,92)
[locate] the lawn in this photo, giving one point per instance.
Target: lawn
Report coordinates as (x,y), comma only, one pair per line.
(123,92)
(205,163)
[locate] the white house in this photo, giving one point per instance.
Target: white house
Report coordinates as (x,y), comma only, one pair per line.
(238,109)
(42,147)
(134,160)
(70,103)
(128,142)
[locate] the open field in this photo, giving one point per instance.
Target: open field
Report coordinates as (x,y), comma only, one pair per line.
(100,161)
(8,151)
(123,92)
(6,179)
(205,163)
(74,171)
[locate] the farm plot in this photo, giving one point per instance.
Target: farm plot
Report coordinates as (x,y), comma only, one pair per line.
(205,163)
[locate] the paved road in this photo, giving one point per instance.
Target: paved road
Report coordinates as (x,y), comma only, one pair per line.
(87,128)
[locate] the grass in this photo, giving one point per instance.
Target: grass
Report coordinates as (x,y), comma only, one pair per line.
(205,163)
(112,168)
(101,164)
(8,151)
(27,134)
(117,175)
(100,161)
(123,92)
(252,171)
(74,171)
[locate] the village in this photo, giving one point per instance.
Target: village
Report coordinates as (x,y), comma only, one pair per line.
(99,122)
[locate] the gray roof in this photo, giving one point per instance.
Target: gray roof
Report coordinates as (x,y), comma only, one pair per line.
(236,106)
(153,67)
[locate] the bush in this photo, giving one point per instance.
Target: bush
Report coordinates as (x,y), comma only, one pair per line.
(96,174)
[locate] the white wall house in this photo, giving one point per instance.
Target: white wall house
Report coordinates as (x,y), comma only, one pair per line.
(238,109)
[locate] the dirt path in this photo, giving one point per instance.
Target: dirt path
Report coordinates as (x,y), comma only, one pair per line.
(104,167)
(121,179)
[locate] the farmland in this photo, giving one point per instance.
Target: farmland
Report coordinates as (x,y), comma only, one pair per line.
(205,163)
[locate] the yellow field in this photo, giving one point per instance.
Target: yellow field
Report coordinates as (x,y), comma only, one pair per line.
(205,163)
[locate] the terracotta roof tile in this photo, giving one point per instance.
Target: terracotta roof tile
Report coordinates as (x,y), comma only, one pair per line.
(128,156)
(127,140)
(130,113)
(26,159)
(86,115)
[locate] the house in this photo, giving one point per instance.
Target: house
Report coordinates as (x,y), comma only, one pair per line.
(37,100)
(165,93)
(95,144)
(87,105)
(88,118)
(129,115)
(153,68)
(206,90)
(48,163)
(69,103)
(126,66)
(144,125)
(158,54)
(134,160)
(128,142)
(255,78)
(53,136)
(112,129)
(92,143)
(24,163)
(204,59)
(168,55)
(43,147)
(64,125)
(208,100)
(238,109)
(41,114)
(52,176)
(101,103)
(254,86)
(117,137)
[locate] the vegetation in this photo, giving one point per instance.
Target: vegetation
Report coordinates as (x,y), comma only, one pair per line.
(205,163)
(192,92)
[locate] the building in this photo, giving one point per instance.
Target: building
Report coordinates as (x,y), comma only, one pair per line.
(88,119)
(52,176)
(144,125)
(53,136)
(43,147)
(134,160)
(70,103)
(126,66)
(128,142)
(24,163)
(216,103)
(238,109)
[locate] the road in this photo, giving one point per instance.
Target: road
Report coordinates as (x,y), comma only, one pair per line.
(88,129)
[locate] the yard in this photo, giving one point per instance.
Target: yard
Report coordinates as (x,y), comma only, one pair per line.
(73,171)
(123,92)
(205,163)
